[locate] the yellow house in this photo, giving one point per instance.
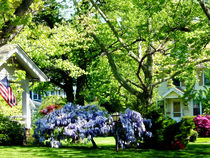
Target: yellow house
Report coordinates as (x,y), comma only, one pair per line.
(171,98)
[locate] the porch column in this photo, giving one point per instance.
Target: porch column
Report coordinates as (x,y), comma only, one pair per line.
(200,108)
(26,111)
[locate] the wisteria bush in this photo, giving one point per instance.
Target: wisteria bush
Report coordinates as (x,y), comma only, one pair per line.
(131,128)
(79,122)
(202,125)
(72,121)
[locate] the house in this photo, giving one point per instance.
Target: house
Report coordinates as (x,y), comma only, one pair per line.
(171,100)
(37,97)
(12,58)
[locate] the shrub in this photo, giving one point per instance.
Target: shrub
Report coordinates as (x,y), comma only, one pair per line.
(202,125)
(206,111)
(49,109)
(190,118)
(166,132)
(11,132)
(52,100)
(72,121)
(78,122)
(193,135)
(131,128)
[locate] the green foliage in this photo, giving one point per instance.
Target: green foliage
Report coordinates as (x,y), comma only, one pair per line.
(105,89)
(11,133)
(52,100)
(49,13)
(5,109)
(201,95)
(165,36)
(193,136)
(165,131)
(189,119)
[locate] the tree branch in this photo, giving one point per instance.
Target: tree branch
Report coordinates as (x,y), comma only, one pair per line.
(117,75)
(205,8)
(179,72)
(131,53)
(135,84)
(176,8)
(10,30)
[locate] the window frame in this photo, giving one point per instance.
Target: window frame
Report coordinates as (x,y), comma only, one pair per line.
(205,78)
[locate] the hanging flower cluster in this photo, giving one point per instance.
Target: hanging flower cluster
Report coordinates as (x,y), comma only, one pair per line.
(131,128)
(202,125)
(75,121)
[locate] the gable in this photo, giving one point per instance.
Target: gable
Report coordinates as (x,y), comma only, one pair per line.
(23,60)
(173,93)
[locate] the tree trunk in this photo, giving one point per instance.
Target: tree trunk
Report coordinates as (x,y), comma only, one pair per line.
(11,29)
(80,99)
(81,81)
(148,73)
(68,88)
(94,143)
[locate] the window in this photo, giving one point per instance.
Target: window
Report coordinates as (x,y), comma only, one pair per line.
(197,108)
(176,82)
(31,94)
(52,93)
(177,109)
(40,97)
(207,77)
(35,96)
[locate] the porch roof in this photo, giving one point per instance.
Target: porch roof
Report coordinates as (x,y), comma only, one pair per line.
(23,59)
(173,92)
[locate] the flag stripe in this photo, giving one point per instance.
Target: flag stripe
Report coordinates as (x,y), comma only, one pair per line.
(3,88)
(3,91)
(6,92)
(5,98)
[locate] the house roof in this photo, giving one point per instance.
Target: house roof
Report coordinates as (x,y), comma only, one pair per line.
(23,59)
(172,90)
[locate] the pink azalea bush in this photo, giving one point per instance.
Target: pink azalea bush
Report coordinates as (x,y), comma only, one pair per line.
(202,125)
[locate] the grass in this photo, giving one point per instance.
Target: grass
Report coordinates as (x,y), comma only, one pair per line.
(199,149)
(203,140)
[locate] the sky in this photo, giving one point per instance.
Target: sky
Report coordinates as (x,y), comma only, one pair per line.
(69,8)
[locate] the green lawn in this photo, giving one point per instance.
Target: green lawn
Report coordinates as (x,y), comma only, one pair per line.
(199,149)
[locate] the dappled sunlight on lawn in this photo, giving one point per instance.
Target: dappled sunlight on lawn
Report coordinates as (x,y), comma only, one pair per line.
(106,149)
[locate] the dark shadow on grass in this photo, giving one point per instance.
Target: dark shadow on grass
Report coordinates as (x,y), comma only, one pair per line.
(193,150)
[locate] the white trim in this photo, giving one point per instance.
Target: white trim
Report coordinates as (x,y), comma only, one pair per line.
(181,110)
(33,67)
(8,56)
(173,89)
(200,108)
(26,60)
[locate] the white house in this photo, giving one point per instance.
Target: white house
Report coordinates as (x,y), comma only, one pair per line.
(13,57)
(171,97)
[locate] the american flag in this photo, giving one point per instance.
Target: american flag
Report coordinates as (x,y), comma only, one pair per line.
(6,92)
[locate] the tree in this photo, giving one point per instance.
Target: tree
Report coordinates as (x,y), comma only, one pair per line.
(59,48)
(14,15)
(57,52)
(159,39)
